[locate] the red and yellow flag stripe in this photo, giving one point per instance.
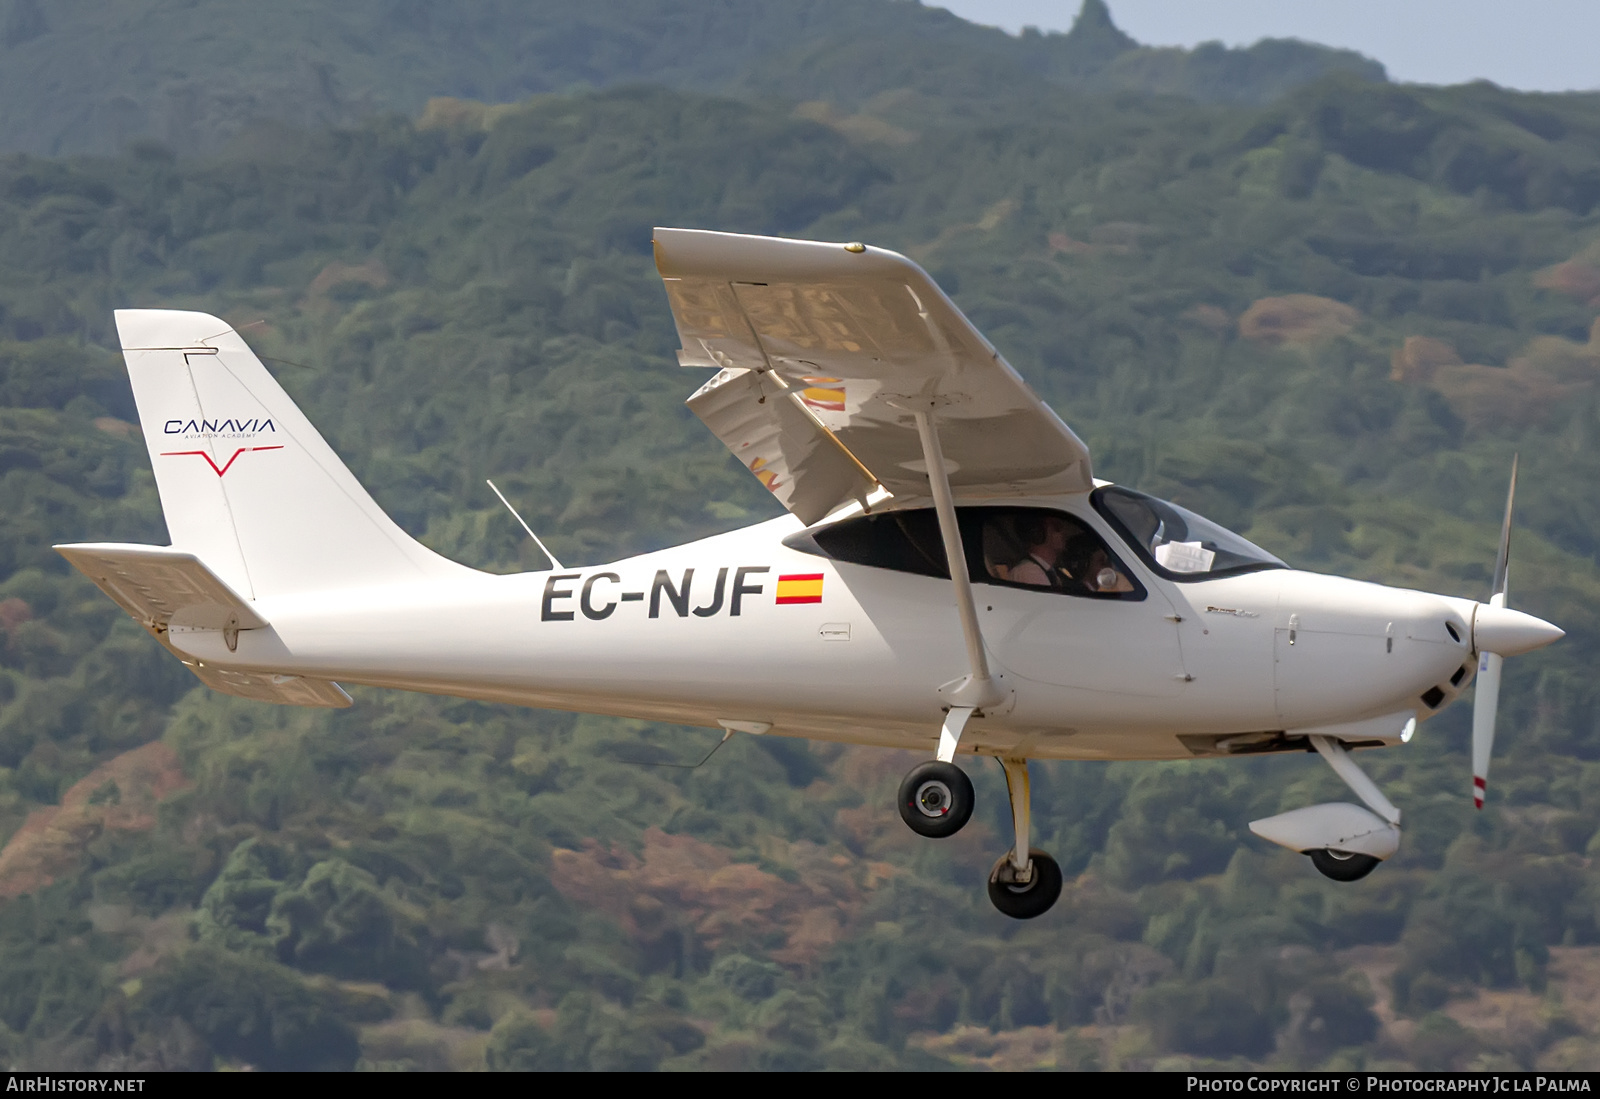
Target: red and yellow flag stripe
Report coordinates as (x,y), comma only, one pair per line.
(800,587)
(826,394)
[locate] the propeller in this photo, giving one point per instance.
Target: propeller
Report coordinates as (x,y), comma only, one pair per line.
(1499,632)
(1486,700)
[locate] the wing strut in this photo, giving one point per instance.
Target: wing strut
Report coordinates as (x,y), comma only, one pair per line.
(978,688)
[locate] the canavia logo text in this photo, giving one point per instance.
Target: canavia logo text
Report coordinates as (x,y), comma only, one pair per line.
(217,427)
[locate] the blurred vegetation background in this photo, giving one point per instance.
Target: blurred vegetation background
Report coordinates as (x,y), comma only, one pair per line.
(1318,307)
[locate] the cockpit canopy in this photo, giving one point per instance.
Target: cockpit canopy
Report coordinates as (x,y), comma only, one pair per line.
(1046,549)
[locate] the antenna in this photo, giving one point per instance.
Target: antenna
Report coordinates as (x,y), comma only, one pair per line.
(542,547)
(754,728)
(726,736)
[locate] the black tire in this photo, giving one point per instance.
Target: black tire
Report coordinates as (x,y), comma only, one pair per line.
(1024,902)
(936,799)
(1341,865)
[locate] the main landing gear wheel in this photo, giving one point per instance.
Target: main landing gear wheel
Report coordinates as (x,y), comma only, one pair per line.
(936,799)
(1341,865)
(1025,900)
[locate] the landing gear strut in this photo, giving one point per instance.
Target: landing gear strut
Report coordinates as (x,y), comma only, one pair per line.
(1025,882)
(936,797)
(1343,864)
(1344,842)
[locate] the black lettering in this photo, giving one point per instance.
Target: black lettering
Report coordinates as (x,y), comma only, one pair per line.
(550,595)
(716,597)
(633,597)
(589,609)
(168,429)
(678,598)
(740,591)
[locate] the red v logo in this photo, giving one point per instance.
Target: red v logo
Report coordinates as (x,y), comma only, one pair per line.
(219,470)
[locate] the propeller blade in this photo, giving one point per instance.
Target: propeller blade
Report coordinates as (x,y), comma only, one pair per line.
(1486,698)
(1485,702)
(1502,561)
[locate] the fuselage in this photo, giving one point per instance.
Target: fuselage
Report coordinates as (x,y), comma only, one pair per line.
(743,628)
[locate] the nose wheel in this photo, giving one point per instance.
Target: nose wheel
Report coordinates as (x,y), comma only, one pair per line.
(1342,865)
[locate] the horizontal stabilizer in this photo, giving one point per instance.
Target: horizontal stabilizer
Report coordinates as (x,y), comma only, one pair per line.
(153,584)
(288,690)
(158,586)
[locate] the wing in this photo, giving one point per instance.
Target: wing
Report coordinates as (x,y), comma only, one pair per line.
(826,350)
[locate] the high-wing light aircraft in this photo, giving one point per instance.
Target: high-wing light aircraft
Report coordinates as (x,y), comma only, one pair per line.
(1082,620)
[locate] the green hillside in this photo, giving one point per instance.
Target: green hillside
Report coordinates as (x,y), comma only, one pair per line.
(1328,322)
(89,76)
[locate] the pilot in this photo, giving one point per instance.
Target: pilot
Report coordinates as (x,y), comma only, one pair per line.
(1045,536)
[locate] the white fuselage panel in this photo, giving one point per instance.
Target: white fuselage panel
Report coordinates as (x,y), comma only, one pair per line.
(760,632)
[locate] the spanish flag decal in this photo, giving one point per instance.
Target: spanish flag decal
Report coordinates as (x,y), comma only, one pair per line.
(826,394)
(764,475)
(803,587)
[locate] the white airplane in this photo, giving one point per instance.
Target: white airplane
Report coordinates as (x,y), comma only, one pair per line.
(1086,620)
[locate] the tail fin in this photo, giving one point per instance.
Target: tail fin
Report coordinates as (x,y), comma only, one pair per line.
(247,484)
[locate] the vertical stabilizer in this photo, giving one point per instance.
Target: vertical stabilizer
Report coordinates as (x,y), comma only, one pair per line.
(246,483)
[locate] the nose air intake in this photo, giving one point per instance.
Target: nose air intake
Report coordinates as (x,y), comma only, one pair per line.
(1505,632)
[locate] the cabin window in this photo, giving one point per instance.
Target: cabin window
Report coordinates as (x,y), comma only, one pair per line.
(905,541)
(1049,550)
(1174,541)
(1008,546)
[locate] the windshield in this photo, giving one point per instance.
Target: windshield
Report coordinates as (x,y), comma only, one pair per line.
(1176,542)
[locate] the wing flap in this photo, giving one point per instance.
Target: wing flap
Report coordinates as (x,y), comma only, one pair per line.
(870,328)
(769,428)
